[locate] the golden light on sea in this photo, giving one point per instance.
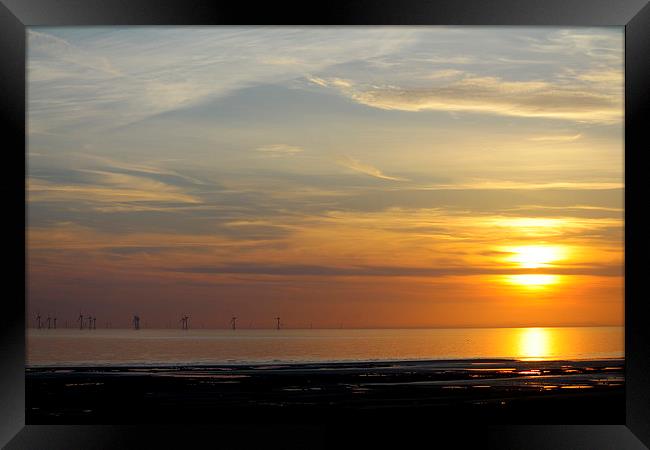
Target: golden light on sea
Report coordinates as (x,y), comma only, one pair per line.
(534,343)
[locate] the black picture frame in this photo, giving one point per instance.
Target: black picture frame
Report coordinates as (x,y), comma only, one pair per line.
(634,15)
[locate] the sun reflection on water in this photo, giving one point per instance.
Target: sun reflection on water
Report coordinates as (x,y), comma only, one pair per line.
(534,344)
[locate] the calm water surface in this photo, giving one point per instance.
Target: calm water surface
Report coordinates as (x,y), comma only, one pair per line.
(154,347)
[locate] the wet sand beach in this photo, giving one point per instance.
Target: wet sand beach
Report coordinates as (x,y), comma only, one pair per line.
(489,391)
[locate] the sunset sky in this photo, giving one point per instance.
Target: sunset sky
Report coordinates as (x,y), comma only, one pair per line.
(350,176)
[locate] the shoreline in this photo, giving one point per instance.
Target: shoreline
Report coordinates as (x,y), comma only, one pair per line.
(458,362)
(311,363)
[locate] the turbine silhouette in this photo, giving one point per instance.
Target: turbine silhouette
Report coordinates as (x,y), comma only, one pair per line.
(185,325)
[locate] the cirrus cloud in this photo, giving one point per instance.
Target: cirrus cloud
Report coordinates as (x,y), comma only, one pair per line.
(582,100)
(366,169)
(279,149)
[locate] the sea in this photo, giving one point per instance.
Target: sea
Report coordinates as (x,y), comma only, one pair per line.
(173,347)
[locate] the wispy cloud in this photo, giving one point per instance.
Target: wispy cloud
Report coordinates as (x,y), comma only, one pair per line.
(517,185)
(391,271)
(279,149)
(97,80)
(366,169)
(113,188)
(575,42)
(110,164)
(43,45)
(332,81)
(556,138)
(495,95)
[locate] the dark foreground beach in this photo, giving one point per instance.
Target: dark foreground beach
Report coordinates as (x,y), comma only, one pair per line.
(489,391)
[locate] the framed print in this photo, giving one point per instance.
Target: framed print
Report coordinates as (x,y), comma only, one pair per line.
(385,222)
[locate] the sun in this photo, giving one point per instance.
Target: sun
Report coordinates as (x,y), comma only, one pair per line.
(540,256)
(532,281)
(535,256)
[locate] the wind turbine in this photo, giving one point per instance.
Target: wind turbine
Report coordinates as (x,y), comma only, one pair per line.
(185,322)
(233,321)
